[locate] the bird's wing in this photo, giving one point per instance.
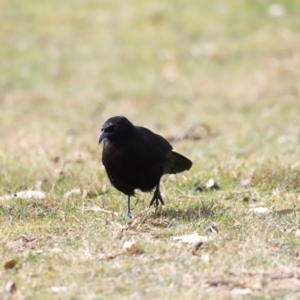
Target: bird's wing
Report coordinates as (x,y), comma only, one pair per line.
(158,148)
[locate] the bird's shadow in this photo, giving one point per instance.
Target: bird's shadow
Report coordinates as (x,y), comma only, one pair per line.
(208,211)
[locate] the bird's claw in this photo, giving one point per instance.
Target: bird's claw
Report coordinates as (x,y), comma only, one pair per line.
(157,199)
(129,215)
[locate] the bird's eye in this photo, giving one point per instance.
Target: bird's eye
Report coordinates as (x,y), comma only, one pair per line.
(115,127)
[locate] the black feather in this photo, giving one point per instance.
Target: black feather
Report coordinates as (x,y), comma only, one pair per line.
(136,158)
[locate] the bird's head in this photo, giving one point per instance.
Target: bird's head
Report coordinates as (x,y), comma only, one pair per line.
(114,127)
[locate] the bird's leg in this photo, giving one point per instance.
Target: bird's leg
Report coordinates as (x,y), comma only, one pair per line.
(129,215)
(157,197)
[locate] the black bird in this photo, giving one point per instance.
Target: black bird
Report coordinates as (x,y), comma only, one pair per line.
(136,158)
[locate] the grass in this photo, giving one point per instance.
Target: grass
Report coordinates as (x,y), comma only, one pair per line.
(68,66)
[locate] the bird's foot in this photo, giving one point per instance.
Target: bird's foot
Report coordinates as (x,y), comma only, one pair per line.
(129,215)
(157,199)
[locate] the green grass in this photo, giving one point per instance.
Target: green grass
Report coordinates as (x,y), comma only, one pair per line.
(65,67)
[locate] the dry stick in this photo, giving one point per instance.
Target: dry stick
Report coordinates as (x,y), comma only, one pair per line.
(112,256)
(190,130)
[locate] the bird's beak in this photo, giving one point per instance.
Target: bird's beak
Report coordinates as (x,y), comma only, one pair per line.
(102,136)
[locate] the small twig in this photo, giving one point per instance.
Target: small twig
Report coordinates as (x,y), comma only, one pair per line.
(188,132)
(112,256)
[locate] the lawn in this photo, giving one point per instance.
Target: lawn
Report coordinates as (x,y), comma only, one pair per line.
(219,79)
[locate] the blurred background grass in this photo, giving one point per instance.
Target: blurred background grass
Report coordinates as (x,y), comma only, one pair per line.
(65,67)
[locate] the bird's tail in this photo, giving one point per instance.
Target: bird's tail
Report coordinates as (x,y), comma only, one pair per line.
(179,163)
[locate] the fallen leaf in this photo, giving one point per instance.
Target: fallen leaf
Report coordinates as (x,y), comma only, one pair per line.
(84,193)
(98,209)
(236,223)
(59,289)
(192,238)
(205,257)
(6,197)
(104,188)
(9,289)
(132,247)
(72,192)
(285,211)
(246,181)
(30,195)
(260,210)
(212,185)
(242,292)
(276,10)
(10,264)
(56,250)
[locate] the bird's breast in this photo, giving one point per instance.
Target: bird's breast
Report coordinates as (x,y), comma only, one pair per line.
(132,164)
